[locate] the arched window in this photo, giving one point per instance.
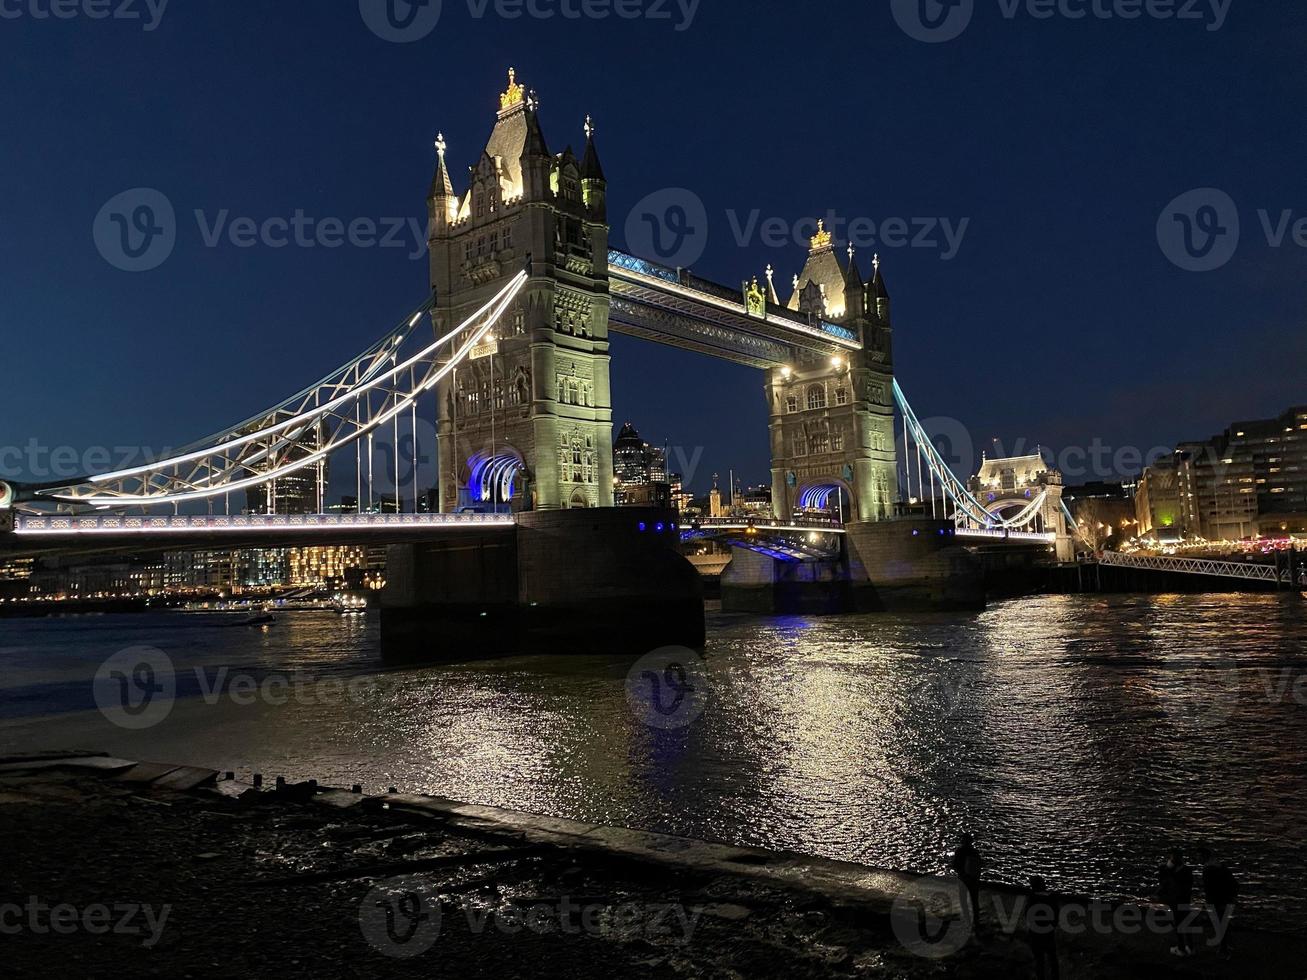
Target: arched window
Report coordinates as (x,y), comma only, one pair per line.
(817,396)
(841,395)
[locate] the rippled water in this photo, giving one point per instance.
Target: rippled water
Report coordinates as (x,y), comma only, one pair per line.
(1078,737)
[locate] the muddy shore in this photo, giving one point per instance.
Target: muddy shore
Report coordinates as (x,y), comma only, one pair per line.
(115,868)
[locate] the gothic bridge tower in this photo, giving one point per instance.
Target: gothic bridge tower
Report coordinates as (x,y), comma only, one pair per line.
(526,422)
(832,419)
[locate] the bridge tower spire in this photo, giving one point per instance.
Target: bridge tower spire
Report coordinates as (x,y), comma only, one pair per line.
(535,396)
(832,418)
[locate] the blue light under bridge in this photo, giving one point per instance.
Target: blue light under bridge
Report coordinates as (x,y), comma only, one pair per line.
(493,476)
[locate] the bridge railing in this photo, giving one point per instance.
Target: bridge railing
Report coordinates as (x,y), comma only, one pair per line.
(1194,566)
(116,524)
(769,523)
(1003,534)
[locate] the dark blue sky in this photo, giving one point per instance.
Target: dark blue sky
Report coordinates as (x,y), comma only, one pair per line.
(1059,321)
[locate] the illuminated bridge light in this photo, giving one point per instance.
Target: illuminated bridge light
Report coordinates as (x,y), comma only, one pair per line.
(493,476)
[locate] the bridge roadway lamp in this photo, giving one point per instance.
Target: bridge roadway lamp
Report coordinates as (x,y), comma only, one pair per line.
(6,496)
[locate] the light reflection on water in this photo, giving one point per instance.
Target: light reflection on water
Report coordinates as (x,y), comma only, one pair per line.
(1078,737)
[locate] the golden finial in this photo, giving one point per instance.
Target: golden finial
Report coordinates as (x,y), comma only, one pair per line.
(515,95)
(823,238)
(441,146)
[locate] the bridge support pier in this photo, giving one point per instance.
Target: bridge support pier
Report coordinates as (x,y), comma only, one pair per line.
(891,565)
(605,581)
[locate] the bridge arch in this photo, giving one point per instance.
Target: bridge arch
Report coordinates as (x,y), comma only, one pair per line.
(825,497)
(494,478)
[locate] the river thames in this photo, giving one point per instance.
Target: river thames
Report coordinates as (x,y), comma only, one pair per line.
(1078,737)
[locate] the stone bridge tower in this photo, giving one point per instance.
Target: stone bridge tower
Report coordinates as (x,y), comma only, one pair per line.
(526,422)
(832,419)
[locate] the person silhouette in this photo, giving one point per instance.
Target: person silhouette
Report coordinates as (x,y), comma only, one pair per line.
(967,865)
(1176,882)
(1220,889)
(1041,929)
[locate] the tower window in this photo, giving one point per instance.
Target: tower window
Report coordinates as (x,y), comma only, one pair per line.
(841,395)
(817,397)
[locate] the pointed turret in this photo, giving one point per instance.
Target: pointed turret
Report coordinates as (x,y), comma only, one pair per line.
(819,288)
(442,204)
(536,160)
(594,186)
(854,291)
(877,294)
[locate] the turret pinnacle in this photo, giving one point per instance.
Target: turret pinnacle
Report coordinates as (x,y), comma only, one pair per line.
(441,185)
(591,169)
(877,284)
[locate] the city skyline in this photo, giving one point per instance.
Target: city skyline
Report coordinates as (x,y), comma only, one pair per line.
(1110,356)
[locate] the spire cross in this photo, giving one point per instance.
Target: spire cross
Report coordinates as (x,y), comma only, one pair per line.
(532,100)
(850,251)
(796,282)
(770,272)
(589,127)
(875,261)
(441,146)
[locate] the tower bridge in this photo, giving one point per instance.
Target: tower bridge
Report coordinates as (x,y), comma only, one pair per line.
(512,347)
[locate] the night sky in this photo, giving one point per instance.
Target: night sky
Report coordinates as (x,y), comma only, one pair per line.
(1060,320)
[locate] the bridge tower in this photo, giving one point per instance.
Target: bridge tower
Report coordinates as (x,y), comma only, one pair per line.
(527,423)
(1010,486)
(832,418)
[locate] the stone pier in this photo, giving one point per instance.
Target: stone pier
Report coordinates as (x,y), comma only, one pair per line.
(898,564)
(608,580)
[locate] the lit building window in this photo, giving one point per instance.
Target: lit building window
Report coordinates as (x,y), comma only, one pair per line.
(817,397)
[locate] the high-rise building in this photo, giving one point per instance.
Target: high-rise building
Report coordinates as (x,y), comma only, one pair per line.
(301,492)
(1249,480)
(639,472)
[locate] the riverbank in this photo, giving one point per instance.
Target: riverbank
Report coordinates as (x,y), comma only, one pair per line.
(203,876)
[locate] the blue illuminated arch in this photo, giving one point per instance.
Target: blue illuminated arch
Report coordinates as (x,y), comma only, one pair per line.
(493,476)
